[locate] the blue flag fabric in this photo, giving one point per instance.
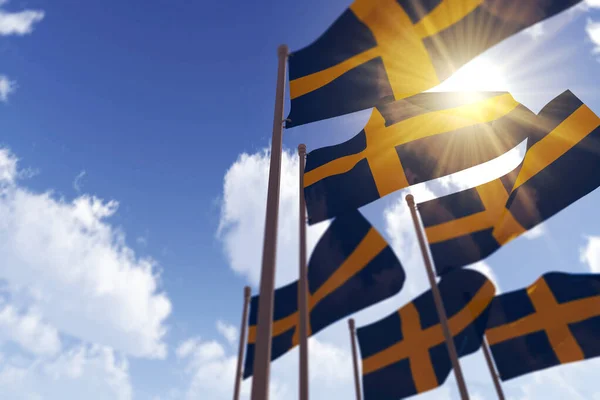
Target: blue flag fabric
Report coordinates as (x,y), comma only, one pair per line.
(405,353)
(381,51)
(557,170)
(554,321)
(352,267)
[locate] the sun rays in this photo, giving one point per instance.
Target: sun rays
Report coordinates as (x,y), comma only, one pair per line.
(476,76)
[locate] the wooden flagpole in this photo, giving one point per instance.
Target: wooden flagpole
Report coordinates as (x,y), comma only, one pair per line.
(439,305)
(352,328)
(492,368)
(264,326)
(303,285)
(238,370)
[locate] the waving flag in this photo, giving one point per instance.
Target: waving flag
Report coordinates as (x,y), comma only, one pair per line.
(554,321)
(379,51)
(427,136)
(351,268)
(557,170)
(405,353)
(461,228)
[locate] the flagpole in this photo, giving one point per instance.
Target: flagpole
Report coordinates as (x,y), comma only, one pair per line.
(492,368)
(262,360)
(354,358)
(303,284)
(460,380)
(238,370)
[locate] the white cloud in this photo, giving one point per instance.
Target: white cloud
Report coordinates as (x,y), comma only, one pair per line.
(65,261)
(570,381)
(229,332)
(535,232)
(212,377)
(91,372)
(330,368)
(18,23)
(29,331)
(536,31)
(485,172)
(212,370)
(77,181)
(593,30)
(7,87)
(15,23)
(8,167)
(242,220)
(590,254)
(329,364)
(592,3)
(549,28)
(187,347)
(486,270)
(203,352)
(172,394)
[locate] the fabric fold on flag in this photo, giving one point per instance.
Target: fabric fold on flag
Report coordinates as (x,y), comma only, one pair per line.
(554,321)
(557,170)
(405,353)
(386,50)
(351,268)
(410,141)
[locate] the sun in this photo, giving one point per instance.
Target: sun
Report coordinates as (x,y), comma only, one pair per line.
(478,75)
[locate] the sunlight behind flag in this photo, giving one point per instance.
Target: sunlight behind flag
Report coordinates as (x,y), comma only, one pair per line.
(557,170)
(382,51)
(411,141)
(482,173)
(479,75)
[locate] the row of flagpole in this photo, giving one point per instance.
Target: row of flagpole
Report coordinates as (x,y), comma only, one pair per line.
(356,374)
(262,359)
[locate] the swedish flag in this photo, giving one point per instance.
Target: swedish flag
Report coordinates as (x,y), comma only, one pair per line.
(381,51)
(351,268)
(285,324)
(405,353)
(554,321)
(411,141)
(557,170)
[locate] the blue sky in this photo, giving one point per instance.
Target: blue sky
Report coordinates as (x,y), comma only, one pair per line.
(132,187)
